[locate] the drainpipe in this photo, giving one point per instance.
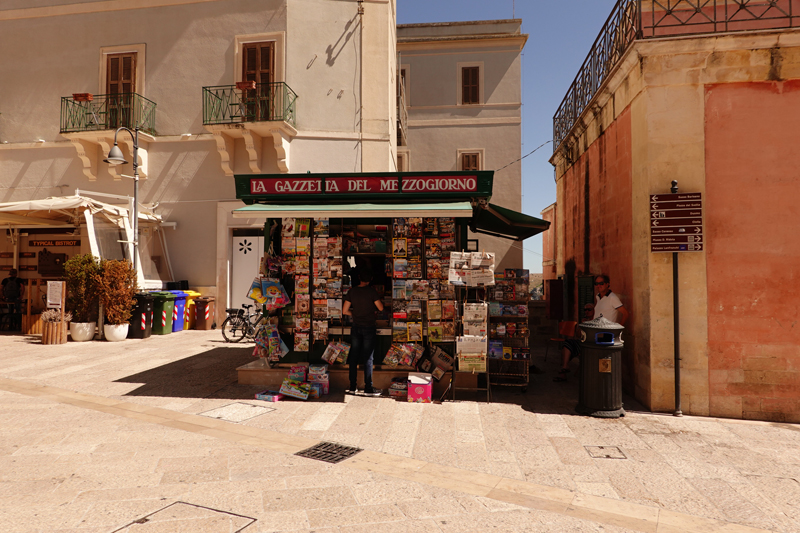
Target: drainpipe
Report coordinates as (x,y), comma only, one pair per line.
(361,81)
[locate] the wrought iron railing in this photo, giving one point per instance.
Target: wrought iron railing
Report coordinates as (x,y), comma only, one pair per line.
(107,112)
(227,104)
(647,19)
(402,113)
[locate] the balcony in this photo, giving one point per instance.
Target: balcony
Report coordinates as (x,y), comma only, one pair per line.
(633,20)
(251,111)
(89,122)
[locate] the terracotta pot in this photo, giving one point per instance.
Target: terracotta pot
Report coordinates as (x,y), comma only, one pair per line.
(82,331)
(82,97)
(245,85)
(116,333)
(54,332)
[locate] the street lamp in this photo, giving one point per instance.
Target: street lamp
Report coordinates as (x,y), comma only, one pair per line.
(115,157)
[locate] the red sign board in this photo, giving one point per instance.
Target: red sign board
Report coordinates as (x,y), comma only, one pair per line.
(676,222)
(372,185)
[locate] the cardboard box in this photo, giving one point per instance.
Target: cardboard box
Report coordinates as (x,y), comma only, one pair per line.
(269,396)
(420,387)
(295,389)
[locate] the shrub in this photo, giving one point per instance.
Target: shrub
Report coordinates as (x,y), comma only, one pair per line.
(54,315)
(81,273)
(117,287)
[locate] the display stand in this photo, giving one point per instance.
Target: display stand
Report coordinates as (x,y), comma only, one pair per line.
(453,383)
(509,371)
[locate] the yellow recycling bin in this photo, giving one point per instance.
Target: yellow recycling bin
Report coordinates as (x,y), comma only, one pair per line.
(188,314)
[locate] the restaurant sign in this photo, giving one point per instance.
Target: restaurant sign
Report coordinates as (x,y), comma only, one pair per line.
(376,186)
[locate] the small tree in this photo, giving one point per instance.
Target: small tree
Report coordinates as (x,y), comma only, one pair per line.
(117,287)
(81,273)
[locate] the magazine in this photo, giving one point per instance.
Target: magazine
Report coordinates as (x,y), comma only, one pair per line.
(434,310)
(415,331)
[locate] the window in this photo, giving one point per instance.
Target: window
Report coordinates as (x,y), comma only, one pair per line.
(470,161)
(402,161)
(470,85)
(120,86)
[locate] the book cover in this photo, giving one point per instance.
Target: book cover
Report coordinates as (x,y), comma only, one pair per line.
(414,227)
(301,284)
(419,289)
(399,309)
(287,228)
(288,246)
(301,342)
(435,332)
(434,267)
(399,290)
(415,331)
(433,248)
(399,247)
(414,247)
(507,352)
(333,287)
(447,226)
(320,290)
(302,227)
(434,310)
(434,288)
(399,332)
(431,226)
(399,227)
(414,268)
(302,304)
(321,227)
(414,310)
(334,246)
(321,308)
(448,310)
(302,324)
(320,330)
(400,268)
(301,265)
(303,245)
(448,331)
(495,349)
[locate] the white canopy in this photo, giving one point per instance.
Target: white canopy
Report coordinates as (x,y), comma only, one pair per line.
(61,211)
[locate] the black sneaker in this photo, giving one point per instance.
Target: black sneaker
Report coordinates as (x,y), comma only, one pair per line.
(373,392)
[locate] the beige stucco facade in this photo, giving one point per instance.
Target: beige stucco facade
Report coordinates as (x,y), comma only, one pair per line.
(340,61)
(661,87)
(441,127)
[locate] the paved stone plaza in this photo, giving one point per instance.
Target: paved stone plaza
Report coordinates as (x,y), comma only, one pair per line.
(155,435)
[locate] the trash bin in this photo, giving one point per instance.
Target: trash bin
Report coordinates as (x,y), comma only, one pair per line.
(163,308)
(204,311)
(142,317)
(189,314)
(600,378)
(178,310)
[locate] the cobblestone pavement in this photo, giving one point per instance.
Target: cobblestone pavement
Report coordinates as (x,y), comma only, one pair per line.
(96,436)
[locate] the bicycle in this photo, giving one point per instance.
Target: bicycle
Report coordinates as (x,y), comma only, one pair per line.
(240,323)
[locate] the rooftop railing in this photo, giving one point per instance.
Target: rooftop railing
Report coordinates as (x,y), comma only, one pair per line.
(107,112)
(260,102)
(631,20)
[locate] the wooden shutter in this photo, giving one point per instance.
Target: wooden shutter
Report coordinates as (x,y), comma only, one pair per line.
(258,66)
(469,85)
(470,162)
(121,73)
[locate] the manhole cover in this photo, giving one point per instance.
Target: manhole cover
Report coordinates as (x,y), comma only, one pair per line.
(237,412)
(181,516)
(329,452)
(605,452)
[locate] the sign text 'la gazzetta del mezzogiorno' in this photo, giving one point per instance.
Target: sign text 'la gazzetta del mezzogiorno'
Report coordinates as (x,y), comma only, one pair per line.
(364,185)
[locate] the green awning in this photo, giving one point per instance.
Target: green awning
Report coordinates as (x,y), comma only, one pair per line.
(444,209)
(492,219)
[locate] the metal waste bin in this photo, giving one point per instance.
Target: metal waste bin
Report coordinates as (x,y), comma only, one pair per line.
(163,308)
(204,312)
(142,317)
(189,313)
(178,310)
(600,377)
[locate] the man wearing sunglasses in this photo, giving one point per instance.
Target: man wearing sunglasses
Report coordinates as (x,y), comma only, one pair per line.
(607,304)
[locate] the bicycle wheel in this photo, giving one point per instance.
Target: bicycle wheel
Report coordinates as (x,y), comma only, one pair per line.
(234,329)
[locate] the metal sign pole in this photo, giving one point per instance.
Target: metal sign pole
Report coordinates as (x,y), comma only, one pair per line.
(676,323)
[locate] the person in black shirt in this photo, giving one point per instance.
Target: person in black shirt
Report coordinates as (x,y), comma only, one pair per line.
(360,303)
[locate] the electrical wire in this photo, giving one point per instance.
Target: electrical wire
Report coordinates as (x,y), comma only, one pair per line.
(523,157)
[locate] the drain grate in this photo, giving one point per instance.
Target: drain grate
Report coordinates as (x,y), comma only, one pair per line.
(605,452)
(182,516)
(330,452)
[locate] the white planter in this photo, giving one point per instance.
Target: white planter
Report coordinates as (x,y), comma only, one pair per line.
(116,333)
(82,331)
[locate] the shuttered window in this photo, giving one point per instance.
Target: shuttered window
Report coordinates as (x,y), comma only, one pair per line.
(121,73)
(259,66)
(470,88)
(470,161)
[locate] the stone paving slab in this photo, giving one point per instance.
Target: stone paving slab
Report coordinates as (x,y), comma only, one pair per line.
(706,472)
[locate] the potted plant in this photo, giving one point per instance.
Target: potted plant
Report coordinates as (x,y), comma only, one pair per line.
(54,329)
(81,274)
(117,287)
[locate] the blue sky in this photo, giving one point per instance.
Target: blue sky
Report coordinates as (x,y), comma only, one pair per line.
(560,33)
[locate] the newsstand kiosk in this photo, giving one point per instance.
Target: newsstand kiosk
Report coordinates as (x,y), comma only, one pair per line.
(410,229)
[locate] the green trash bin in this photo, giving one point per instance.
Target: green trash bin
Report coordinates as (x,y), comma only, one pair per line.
(163,303)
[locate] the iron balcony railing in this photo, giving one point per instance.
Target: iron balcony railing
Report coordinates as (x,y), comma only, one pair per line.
(107,112)
(647,19)
(227,104)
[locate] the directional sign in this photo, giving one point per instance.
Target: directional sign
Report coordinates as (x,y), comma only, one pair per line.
(676,222)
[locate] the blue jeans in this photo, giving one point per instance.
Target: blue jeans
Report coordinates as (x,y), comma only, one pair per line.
(362,347)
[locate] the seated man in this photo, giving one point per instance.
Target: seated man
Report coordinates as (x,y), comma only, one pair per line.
(571,348)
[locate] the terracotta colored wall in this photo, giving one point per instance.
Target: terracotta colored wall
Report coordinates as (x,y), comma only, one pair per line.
(752,210)
(598,220)
(549,244)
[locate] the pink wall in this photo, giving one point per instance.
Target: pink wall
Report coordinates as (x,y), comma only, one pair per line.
(598,233)
(752,210)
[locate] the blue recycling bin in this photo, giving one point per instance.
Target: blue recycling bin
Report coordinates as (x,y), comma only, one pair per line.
(178,310)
